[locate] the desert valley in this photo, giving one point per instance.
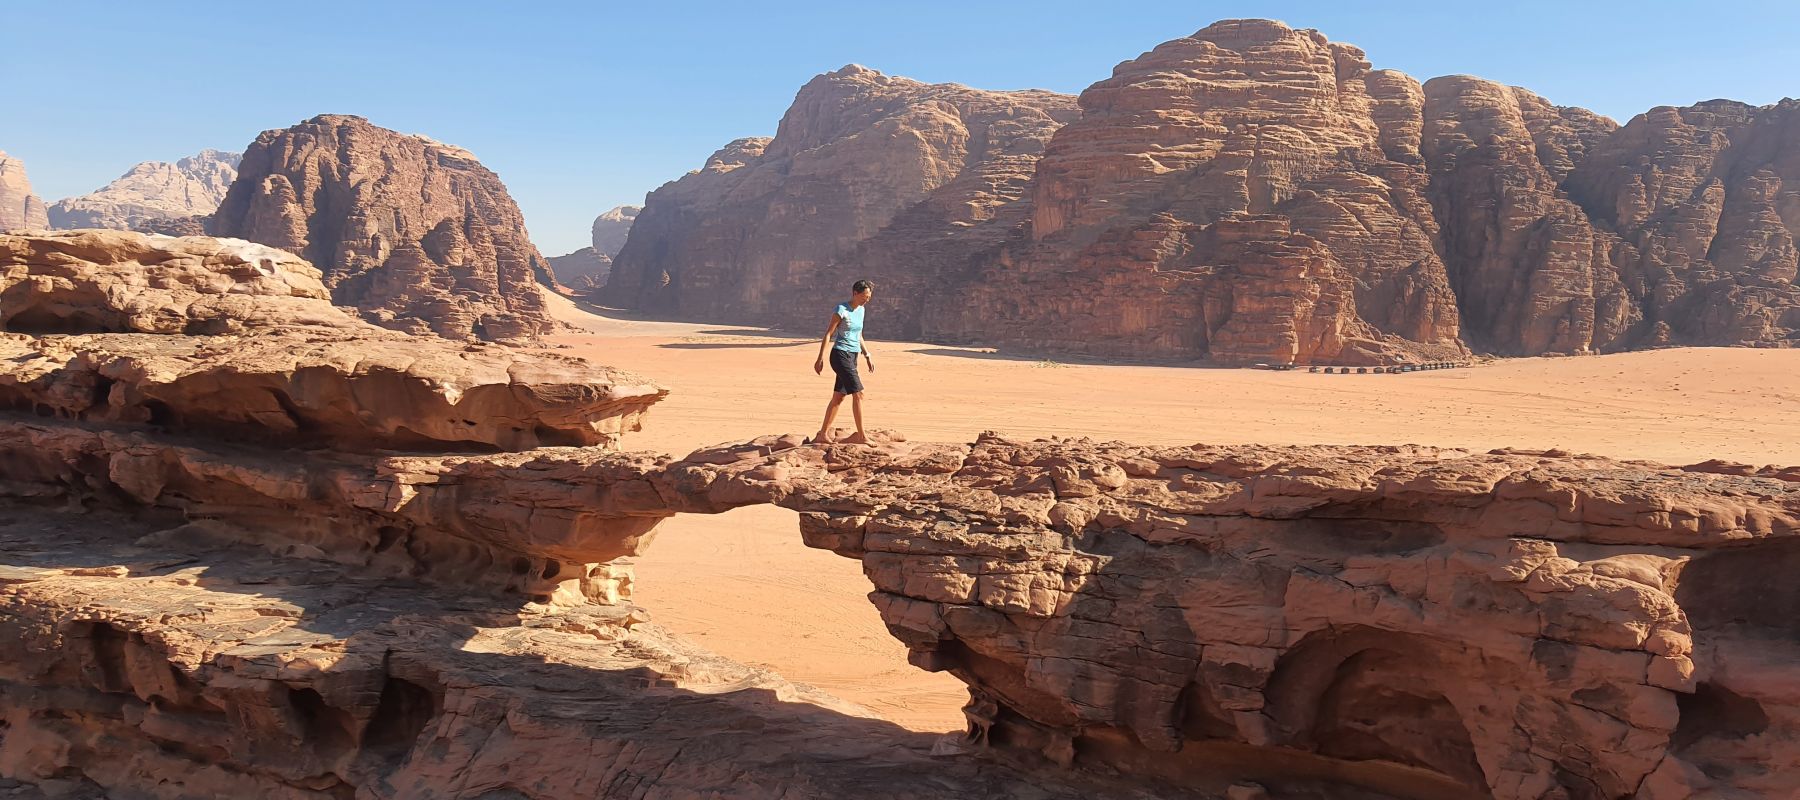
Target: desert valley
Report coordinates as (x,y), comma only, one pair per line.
(318,478)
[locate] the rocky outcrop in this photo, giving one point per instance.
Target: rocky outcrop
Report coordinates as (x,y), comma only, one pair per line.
(1530,270)
(583,270)
(213,379)
(1705,205)
(19,208)
(612,228)
(279,604)
(152,192)
(771,229)
(1258,193)
(1416,622)
(1250,193)
(359,572)
(159,670)
(415,233)
(241,340)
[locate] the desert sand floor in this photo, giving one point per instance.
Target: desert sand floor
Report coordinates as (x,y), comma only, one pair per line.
(743,585)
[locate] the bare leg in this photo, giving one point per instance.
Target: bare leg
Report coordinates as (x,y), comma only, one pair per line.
(824,436)
(859,437)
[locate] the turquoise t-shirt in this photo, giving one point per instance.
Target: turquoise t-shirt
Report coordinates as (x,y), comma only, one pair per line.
(849,332)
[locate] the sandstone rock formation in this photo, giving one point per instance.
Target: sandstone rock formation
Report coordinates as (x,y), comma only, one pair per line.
(19,208)
(414,232)
(172,671)
(862,164)
(583,270)
(331,594)
(1414,621)
(1258,193)
(1705,202)
(228,336)
(152,192)
(611,229)
(236,617)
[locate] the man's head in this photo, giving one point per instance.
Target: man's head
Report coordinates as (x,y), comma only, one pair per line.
(862,290)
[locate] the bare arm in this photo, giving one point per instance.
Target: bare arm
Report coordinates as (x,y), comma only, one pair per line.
(819,365)
(867,359)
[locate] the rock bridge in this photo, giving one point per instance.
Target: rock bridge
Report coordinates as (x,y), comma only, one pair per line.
(255,546)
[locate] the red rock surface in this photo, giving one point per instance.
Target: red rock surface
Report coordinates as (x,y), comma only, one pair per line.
(1413,621)
(231,337)
(862,163)
(173,671)
(415,233)
(197,606)
(1257,193)
(1706,201)
(194,607)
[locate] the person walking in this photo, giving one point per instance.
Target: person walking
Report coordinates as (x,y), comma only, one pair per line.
(844,335)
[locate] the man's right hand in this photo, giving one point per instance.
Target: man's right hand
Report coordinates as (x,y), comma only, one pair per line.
(819,366)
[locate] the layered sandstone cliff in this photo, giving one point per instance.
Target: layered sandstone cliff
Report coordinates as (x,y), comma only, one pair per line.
(1248,193)
(152,192)
(19,208)
(331,593)
(862,164)
(415,233)
(1254,192)
(1705,203)
(1415,622)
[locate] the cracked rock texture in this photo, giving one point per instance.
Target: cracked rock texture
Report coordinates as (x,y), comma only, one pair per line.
(415,233)
(1245,194)
(1413,621)
(226,336)
(175,373)
(160,671)
(152,193)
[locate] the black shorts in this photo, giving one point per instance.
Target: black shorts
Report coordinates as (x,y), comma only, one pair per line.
(843,362)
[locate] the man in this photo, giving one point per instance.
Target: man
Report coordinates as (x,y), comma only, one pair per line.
(844,336)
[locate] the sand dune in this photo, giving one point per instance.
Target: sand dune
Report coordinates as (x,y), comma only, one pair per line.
(742,584)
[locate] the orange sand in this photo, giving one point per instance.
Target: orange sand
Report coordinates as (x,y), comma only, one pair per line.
(743,585)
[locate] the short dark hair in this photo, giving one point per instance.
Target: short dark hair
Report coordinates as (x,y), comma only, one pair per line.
(861,286)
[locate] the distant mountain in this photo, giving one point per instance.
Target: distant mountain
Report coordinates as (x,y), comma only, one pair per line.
(583,270)
(150,192)
(19,208)
(611,228)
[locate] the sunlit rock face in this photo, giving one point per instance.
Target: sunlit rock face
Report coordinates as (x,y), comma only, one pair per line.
(415,233)
(20,209)
(1249,193)
(152,193)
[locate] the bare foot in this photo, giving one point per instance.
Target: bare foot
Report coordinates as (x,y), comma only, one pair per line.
(822,438)
(856,438)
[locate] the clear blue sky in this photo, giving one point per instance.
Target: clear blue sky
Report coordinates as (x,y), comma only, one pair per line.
(583,106)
